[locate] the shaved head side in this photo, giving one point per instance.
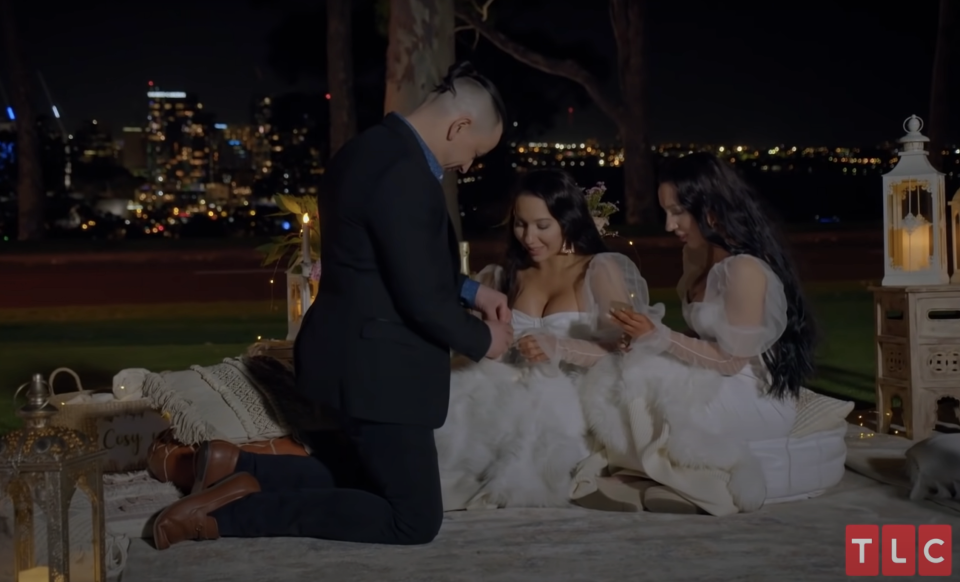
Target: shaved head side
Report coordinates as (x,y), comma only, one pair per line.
(467,98)
(466,89)
(462,119)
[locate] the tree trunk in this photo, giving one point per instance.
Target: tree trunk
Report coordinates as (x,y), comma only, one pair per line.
(943,61)
(638,180)
(627,20)
(627,110)
(30,197)
(343,111)
(420,51)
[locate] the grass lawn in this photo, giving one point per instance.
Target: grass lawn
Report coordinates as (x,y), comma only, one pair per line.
(98,342)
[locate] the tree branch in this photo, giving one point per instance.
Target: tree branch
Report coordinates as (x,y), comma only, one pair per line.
(561,68)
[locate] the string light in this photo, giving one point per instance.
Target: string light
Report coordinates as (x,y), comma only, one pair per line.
(635,253)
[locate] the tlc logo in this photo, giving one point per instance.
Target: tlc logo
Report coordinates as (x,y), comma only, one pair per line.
(906,550)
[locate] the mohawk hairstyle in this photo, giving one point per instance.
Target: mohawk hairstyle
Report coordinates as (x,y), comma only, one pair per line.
(466,70)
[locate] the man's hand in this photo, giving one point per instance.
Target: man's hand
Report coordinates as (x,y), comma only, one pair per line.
(501,337)
(493,305)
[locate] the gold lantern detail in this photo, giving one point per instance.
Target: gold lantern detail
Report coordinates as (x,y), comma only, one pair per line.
(915,243)
(44,469)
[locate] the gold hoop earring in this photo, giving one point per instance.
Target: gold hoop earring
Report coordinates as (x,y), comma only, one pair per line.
(567,248)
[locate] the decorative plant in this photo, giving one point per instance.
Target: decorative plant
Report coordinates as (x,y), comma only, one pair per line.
(291,243)
(600,210)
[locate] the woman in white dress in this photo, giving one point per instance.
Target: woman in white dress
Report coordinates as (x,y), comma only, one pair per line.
(750,322)
(515,430)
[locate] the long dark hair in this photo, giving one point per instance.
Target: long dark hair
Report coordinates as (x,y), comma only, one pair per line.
(708,187)
(567,204)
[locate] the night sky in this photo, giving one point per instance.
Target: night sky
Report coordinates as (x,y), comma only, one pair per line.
(819,72)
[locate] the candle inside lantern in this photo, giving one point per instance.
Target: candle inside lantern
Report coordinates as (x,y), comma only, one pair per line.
(916,248)
(305,239)
(38,574)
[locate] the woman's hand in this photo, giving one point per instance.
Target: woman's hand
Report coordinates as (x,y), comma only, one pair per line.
(634,325)
(531,350)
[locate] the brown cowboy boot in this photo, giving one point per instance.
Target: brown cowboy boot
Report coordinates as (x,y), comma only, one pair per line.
(189,518)
(213,462)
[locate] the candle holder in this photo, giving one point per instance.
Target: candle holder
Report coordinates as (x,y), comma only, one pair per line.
(915,233)
(465,258)
(301,291)
(43,469)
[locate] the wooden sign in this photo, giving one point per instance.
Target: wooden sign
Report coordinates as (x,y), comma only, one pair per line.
(127,439)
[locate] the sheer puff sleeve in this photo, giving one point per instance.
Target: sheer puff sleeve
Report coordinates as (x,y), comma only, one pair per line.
(610,278)
(742,315)
(492,276)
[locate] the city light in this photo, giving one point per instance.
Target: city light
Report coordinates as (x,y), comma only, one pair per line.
(167,94)
(195,171)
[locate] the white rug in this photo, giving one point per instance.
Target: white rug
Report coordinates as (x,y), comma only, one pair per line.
(792,541)
(798,541)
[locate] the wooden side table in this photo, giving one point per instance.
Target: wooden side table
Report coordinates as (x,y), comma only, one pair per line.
(918,353)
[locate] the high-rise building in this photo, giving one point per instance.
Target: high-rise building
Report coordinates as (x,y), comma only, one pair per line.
(132,148)
(8,160)
(92,143)
(259,145)
(178,144)
(289,144)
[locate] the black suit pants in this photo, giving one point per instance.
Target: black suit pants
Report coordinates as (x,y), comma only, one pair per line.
(382,487)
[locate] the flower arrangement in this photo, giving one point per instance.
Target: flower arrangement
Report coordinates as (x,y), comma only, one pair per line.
(600,211)
(292,243)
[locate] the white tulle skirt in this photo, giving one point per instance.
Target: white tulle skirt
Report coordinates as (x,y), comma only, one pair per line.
(519,436)
(513,437)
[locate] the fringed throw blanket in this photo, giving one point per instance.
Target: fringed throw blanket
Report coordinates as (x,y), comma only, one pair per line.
(240,400)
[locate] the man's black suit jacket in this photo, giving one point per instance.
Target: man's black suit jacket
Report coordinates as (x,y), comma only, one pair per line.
(375,345)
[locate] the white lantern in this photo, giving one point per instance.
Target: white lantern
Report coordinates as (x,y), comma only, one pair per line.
(914,242)
(955,237)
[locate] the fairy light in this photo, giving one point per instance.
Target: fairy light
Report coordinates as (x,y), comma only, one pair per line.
(635,253)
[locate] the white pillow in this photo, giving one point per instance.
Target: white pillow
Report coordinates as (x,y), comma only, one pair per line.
(817,413)
(214,402)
